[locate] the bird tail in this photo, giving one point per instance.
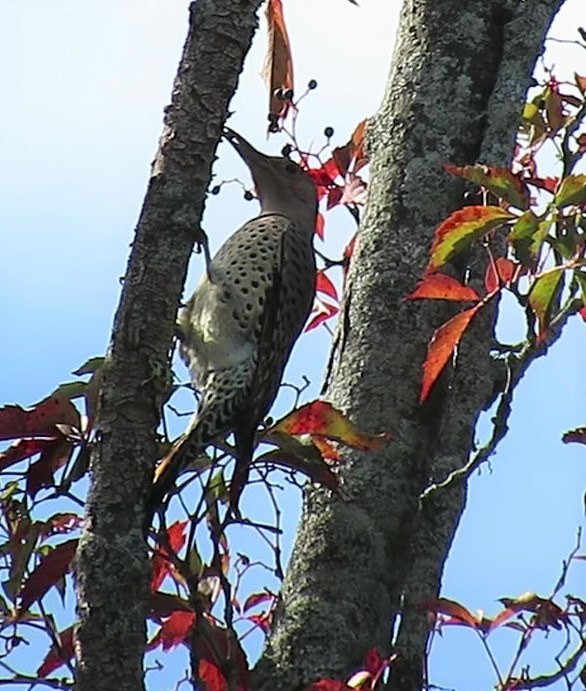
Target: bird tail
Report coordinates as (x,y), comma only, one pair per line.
(214,418)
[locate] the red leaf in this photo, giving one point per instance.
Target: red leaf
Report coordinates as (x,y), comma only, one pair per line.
(505,270)
(500,181)
(373,661)
(173,631)
(263,621)
(549,184)
(40,421)
(460,229)
(315,468)
(320,417)
(442,605)
(442,287)
(319,225)
(257,599)
(58,655)
(334,197)
(53,456)
(323,312)
(224,646)
(441,347)
(323,284)
(22,449)
(348,252)
(162,562)
(211,676)
(61,524)
(577,435)
(51,569)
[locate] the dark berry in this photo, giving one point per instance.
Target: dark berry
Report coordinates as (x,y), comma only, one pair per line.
(248,196)
(286,150)
(329,132)
(274,127)
(312,84)
(288,95)
(215,190)
(279,94)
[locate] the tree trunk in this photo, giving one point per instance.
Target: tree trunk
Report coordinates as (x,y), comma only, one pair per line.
(112,571)
(360,565)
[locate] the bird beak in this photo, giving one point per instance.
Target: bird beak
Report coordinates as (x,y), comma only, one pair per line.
(247,152)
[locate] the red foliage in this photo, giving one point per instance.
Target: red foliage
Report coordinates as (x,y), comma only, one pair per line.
(162,562)
(51,569)
(442,345)
(58,654)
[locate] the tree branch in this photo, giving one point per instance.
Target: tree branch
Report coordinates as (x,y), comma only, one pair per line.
(111,565)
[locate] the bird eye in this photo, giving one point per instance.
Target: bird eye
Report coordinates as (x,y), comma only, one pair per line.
(291,168)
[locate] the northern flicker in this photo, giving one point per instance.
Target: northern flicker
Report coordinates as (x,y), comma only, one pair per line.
(237,330)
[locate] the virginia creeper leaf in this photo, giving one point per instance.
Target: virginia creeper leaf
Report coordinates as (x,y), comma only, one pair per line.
(51,568)
(542,297)
(278,67)
(500,181)
(439,286)
(460,229)
(442,346)
(572,190)
(58,654)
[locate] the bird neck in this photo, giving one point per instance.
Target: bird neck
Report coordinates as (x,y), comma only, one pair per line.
(304,218)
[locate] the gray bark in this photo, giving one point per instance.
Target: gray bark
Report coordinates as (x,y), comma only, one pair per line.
(459,75)
(112,571)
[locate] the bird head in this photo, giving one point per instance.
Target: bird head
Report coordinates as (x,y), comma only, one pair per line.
(281,185)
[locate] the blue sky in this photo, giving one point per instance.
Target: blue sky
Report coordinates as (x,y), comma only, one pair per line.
(85,86)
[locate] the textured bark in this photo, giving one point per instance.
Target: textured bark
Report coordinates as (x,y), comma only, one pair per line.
(111,568)
(460,71)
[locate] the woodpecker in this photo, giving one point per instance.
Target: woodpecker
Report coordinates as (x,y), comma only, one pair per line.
(237,330)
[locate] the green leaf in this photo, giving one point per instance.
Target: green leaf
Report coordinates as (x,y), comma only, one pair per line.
(572,190)
(90,366)
(217,490)
(527,237)
(194,562)
(543,297)
(580,276)
(460,229)
(71,389)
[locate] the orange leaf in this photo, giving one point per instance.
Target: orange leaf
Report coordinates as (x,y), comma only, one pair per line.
(320,417)
(460,229)
(498,274)
(51,569)
(319,225)
(442,287)
(278,68)
(441,347)
(500,181)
